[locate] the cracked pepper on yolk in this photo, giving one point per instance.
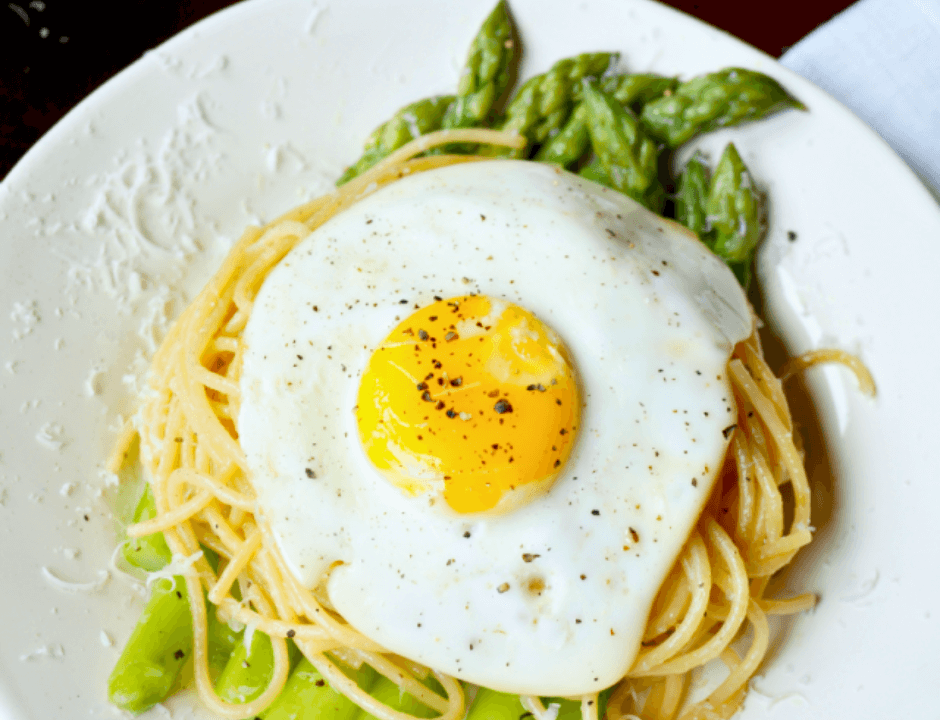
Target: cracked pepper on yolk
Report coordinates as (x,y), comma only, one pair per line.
(473,395)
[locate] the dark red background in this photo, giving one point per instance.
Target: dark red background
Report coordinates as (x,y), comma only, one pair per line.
(69,47)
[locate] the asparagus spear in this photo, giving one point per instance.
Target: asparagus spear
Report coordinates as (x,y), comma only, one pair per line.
(248,671)
(627,155)
(250,668)
(163,637)
(221,640)
(635,90)
(632,91)
(149,552)
(153,657)
(570,144)
(307,696)
(492,705)
(387,692)
(595,172)
(544,102)
(733,211)
(691,196)
(729,97)
(416,119)
(485,78)
(486,74)
(143,672)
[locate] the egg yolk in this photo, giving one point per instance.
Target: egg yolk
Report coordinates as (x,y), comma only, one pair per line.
(474,398)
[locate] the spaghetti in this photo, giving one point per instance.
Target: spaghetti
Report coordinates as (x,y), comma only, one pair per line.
(198,475)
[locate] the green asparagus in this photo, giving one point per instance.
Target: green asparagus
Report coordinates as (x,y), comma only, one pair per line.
(221,640)
(691,196)
(411,121)
(149,552)
(595,172)
(159,646)
(164,627)
(487,73)
(635,90)
(573,140)
(627,155)
(492,705)
(307,696)
(544,102)
(733,211)
(387,692)
(729,97)
(248,672)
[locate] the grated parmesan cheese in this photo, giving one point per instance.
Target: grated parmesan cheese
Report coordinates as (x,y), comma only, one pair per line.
(179,565)
(46,651)
(73,587)
(52,436)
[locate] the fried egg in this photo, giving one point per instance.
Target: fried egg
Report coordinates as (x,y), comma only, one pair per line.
(485,406)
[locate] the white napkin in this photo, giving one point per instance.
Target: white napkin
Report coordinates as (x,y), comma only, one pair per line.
(881,58)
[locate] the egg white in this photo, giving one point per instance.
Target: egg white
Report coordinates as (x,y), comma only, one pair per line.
(650,318)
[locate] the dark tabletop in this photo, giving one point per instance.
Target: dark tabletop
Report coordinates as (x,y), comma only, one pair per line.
(55,52)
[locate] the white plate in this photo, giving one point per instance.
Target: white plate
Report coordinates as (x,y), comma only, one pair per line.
(258,108)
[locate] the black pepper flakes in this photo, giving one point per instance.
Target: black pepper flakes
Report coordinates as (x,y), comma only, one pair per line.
(422,334)
(539,387)
(728,430)
(422,386)
(529,557)
(595,512)
(451,413)
(426,396)
(456,382)
(291,633)
(502,406)
(451,336)
(179,654)
(320,683)
(310,473)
